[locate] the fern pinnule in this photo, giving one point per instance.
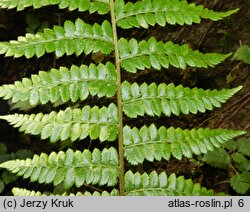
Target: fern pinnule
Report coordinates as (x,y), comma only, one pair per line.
(147,13)
(150,143)
(70,168)
(72,38)
(63,85)
(70,124)
(154,100)
(154,184)
(99,6)
(156,54)
(24,192)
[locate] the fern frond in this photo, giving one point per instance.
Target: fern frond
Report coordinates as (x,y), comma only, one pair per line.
(70,124)
(152,100)
(70,168)
(72,38)
(99,6)
(162,185)
(151,143)
(156,54)
(24,192)
(147,13)
(63,85)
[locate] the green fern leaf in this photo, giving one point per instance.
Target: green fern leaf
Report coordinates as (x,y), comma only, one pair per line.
(63,85)
(24,192)
(105,167)
(72,38)
(70,168)
(151,143)
(152,100)
(99,6)
(70,124)
(147,13)
(162,185)
(153,54)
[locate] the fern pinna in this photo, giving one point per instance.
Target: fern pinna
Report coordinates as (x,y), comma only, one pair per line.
(106,167)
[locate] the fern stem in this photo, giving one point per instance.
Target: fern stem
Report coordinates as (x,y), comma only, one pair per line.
(119,100)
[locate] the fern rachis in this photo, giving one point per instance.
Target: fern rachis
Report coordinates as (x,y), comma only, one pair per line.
(106,167)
